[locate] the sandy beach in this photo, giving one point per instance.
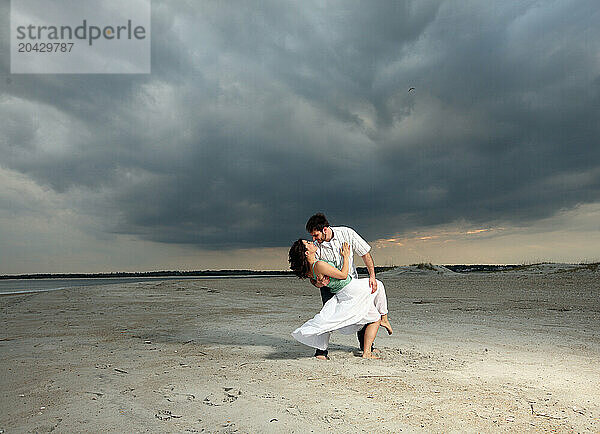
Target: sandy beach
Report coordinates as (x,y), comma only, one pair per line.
(497,352)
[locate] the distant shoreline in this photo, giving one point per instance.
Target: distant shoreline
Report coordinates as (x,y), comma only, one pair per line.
(201,273)
(113,275)
(478,268)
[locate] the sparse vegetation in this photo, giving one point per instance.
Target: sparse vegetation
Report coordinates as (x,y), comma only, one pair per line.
(424,266)
(592,266)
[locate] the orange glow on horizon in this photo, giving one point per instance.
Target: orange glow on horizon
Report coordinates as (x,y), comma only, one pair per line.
(477,231)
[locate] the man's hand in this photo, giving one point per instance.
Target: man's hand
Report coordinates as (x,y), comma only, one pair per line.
(368,260)
(372,284)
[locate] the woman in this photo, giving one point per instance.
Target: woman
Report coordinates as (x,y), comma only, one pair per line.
(352,306)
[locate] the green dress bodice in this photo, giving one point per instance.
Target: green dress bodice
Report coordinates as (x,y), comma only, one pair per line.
(334,285)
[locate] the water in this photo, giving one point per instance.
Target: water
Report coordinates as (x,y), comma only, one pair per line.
(23,286)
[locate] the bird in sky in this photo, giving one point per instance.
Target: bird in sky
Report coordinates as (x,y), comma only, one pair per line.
(412,88)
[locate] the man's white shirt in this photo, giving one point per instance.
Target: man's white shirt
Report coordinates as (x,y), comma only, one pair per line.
(330,250)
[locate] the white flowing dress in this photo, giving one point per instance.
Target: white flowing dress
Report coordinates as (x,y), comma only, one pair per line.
(347,312)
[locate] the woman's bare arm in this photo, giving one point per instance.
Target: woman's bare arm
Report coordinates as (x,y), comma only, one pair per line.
(328,270)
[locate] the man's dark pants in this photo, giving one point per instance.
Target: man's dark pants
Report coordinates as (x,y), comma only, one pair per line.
(326,294)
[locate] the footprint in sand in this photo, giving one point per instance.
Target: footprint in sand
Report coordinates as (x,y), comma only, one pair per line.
(166,415)
(230,395)
(179,397)
(171,395)
(336,416)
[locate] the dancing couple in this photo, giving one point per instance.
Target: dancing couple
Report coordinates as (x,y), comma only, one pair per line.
(350,304)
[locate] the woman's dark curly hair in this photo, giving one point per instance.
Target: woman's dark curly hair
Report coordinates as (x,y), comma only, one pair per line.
(297,259)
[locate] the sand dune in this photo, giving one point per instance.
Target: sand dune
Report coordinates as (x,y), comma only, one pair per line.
(421,269)
(551,268)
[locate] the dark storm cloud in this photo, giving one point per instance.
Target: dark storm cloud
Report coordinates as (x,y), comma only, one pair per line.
(258,114)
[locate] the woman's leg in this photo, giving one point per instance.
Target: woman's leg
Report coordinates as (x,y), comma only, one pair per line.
(370,333)
(380,301)
(385,323)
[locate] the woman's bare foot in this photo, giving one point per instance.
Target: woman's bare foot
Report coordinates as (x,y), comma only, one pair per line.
(370,355)
(385,323)
(321,357)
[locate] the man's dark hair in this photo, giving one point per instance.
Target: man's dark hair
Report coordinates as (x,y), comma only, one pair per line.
(297,259)
(317,223)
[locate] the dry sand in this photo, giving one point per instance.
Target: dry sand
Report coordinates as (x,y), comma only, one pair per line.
(470,353)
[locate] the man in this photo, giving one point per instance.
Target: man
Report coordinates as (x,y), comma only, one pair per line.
(329,241)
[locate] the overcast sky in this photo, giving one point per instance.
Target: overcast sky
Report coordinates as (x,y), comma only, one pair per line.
(258,114)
